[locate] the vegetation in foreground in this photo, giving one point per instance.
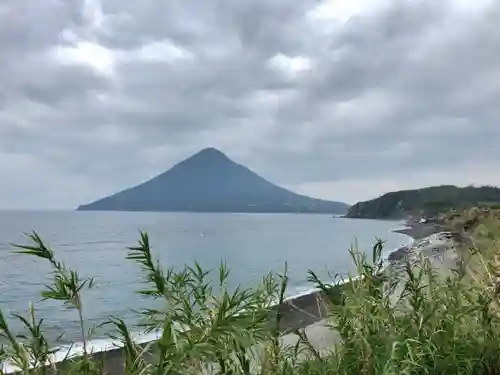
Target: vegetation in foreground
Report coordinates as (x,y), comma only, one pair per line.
(418,323)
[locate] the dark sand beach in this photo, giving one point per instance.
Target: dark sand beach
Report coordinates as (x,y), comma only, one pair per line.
(309,311)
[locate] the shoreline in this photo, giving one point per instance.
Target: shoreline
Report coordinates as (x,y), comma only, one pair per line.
(308,309)
(426,236)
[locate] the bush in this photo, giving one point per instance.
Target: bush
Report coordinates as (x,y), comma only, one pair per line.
(418,322)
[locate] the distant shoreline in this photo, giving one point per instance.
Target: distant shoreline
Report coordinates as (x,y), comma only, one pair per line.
(311,212)
(419,231)
(426,237)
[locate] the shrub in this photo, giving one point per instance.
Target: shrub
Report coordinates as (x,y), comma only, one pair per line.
(415,322)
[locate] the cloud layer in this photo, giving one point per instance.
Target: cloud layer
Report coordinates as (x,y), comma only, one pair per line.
(341,100)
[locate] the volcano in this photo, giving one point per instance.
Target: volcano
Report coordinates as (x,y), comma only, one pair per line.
(211,182)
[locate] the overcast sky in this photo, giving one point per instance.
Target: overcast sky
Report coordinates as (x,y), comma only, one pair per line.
(341,99)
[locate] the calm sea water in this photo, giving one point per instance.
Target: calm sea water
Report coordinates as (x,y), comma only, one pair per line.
(95,244)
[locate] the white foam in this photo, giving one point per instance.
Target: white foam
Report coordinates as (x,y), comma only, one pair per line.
(103,345)
(93,347)
(385,258)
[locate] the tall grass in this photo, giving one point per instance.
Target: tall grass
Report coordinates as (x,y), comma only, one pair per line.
(417,322)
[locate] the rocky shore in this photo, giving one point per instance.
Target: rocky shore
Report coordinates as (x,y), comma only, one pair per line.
(310,312)
(431,239)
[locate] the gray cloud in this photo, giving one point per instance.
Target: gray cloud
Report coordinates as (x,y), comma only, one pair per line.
(98,95)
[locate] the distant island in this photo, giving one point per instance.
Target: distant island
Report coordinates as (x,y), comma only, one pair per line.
(427,201)
(211,182)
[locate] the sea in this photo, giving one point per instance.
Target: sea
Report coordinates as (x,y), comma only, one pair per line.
(95,244)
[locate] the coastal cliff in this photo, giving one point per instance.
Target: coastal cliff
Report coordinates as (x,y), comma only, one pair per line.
(429,201)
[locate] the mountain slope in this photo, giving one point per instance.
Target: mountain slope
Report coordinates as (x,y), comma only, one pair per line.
(429,201)
(210,182)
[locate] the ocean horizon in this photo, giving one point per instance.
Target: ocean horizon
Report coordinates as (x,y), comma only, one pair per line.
(95,244)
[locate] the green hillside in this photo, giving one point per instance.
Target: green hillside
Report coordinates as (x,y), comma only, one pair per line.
(428,201)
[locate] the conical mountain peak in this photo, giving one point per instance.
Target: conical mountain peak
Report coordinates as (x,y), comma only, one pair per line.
(211,151)
(207,158)
(209,181)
